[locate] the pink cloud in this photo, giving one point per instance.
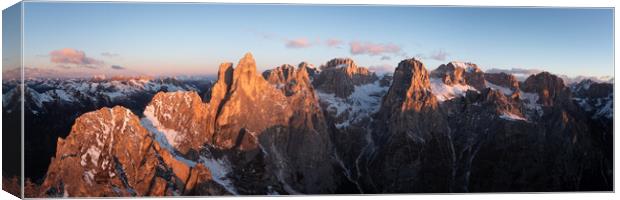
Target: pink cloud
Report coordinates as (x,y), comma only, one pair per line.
(298,43)
(373,49)
(72,56)
(334,42)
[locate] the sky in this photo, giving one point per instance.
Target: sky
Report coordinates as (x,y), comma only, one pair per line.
(192,39)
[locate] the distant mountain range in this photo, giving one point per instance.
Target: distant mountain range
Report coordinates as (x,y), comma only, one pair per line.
(338,128)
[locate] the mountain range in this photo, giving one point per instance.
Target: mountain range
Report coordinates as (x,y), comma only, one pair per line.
(338,128)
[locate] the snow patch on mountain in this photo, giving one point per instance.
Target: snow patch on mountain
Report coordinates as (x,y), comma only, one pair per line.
(6,97)
(172,136)
(363,102)
(40,91)
(104,138)
(445,92)
(606,110)
(467,66)
(219,168)
(504,90)
(39,98)
(530,101)
(511,117)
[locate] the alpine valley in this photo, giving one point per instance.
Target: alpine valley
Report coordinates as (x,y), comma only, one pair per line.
(334,129)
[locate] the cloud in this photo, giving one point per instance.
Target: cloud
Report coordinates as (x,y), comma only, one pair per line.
(373,49)
(298,43)
(439,55)
(118,67)
(385,58)
(108,54)
(334,42)
(69,56)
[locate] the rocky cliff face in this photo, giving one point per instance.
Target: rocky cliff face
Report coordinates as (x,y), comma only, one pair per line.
(304,141)
(411,137)
(349,114)
(252,104)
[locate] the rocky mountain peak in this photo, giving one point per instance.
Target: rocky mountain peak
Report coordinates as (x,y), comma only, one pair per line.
(550,88)
(312,71)
(222,85)
(302,76)
(593,89)
(164,112)
(502,79)
(289,79)
(339,62)
(413,71)
(249,92)
(413,91)
(247,62)
(280,74)
(467,66)
(224,72)
(245,75)
(110,153)
(102,150)
(340,75)
(595,98)
(461,73)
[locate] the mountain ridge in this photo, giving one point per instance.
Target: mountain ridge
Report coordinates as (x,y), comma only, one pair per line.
(344,129)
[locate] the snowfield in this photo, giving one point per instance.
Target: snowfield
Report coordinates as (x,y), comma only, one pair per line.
(445,92)
(363,102)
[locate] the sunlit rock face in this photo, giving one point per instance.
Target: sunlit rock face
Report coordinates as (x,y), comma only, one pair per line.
(109,153)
